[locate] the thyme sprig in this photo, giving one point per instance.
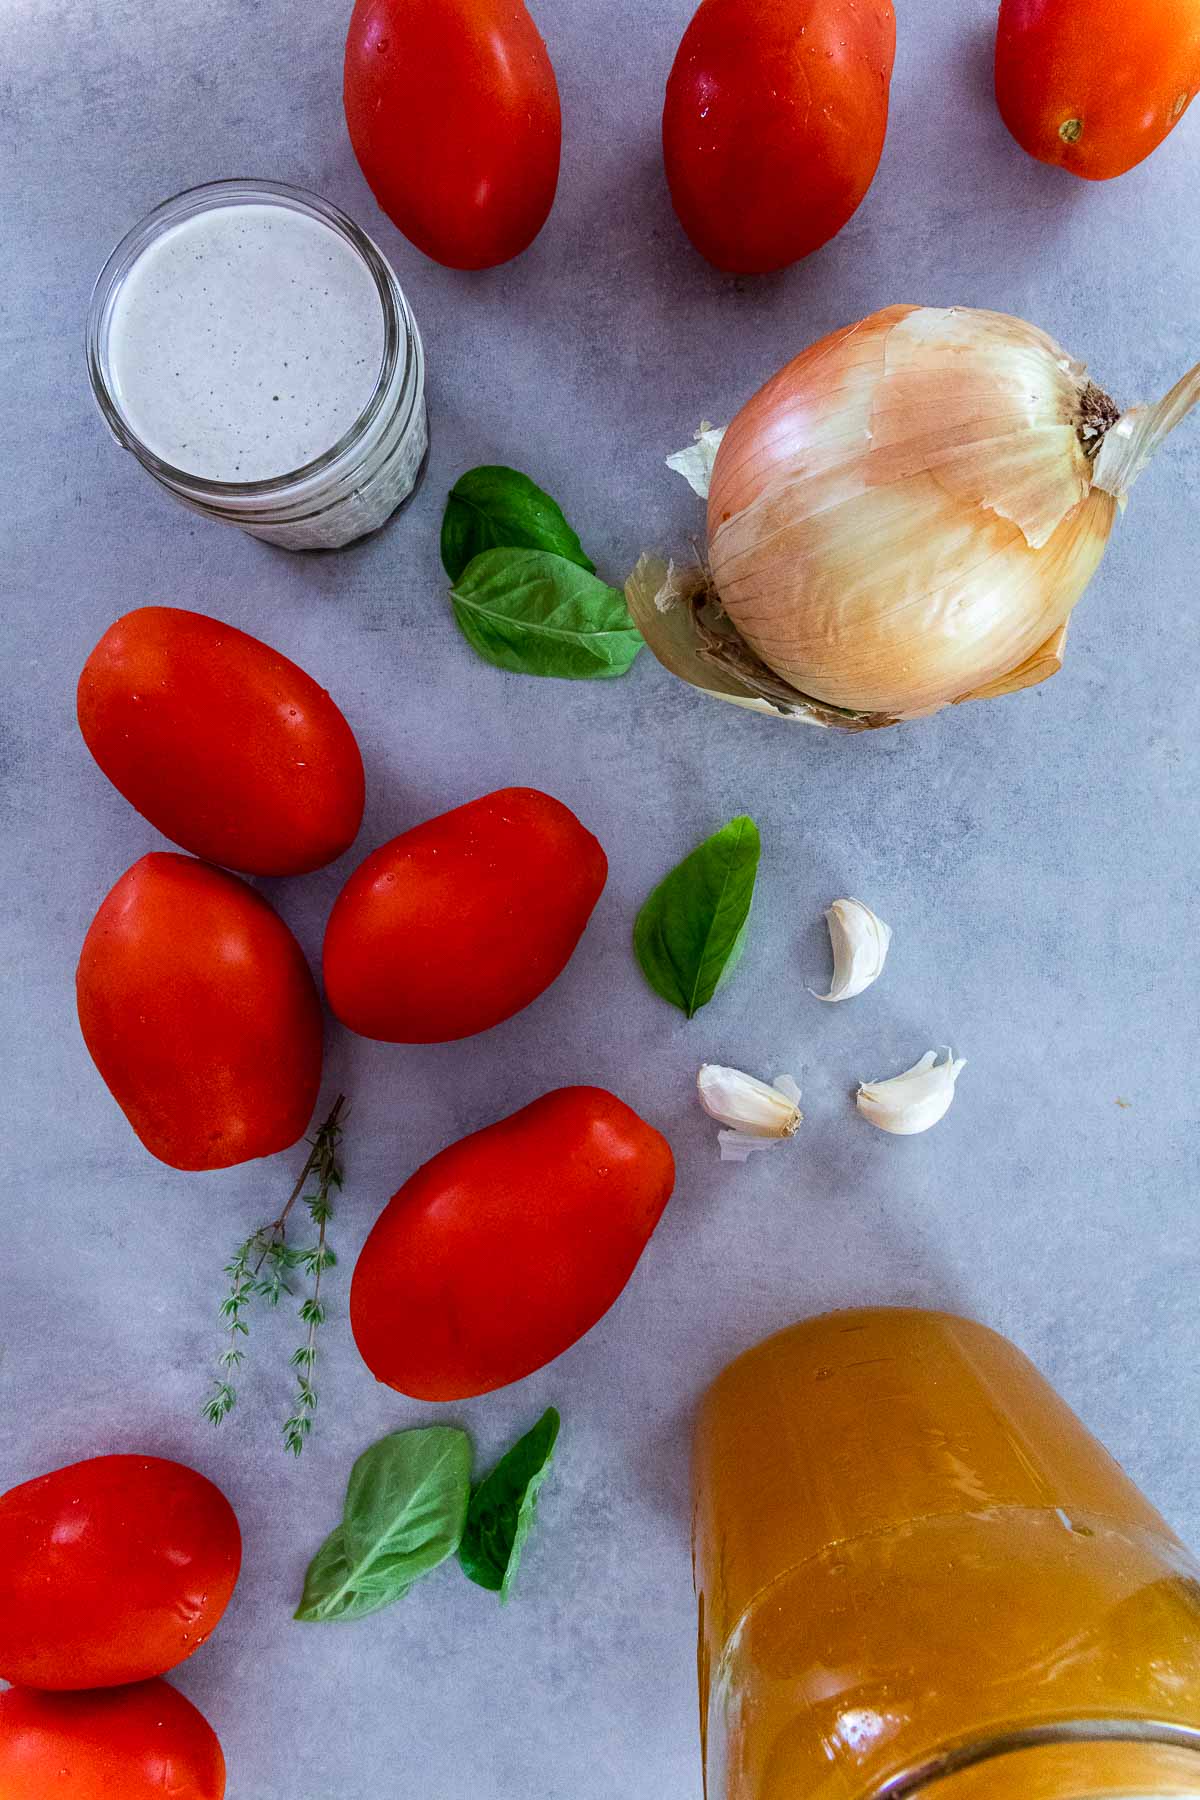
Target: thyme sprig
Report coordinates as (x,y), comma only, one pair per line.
(259,1269)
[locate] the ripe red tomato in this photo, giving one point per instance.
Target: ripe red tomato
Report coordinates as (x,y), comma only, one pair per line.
(221,742)
(132,1743)
(454,117)
(111,1570)
(1096,85)
(505,1248)
(774,122)
(199,1011)
(461,922)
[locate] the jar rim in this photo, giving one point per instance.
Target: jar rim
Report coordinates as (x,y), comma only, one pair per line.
(969,1753)
(238,191)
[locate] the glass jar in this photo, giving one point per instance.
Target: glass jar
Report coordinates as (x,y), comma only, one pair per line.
(349,488)
(918,1574)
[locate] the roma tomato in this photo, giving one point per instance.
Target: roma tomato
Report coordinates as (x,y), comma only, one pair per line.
(133,1743)
(1096,85)
(461,922)
(221,742)
(774,122)
(453,113)
(199,1011)
(111,1570)
(504,1249)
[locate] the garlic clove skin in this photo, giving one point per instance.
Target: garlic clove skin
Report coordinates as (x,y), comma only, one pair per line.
(695,463)
(756,1113)
(736,1147)
(860,942)
(914,1101)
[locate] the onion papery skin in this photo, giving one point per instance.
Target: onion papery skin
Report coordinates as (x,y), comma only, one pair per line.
(905,513)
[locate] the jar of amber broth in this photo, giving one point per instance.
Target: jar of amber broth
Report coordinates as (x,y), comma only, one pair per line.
(919,1574)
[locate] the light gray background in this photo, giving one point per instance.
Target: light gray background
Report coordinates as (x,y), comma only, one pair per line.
(1036,857)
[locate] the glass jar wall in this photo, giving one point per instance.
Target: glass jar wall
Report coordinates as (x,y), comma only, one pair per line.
(919,1574)
(254,351)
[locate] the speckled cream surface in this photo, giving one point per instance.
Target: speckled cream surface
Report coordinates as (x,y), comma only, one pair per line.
(245,341)
(1035,856)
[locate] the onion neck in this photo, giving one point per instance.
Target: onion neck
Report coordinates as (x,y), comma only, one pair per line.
(1098,413)
(1128,443)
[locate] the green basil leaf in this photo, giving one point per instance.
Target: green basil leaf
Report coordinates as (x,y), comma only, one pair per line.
(334,1589)
(502,1509)
(406,1506)
(538,614)
(691,932)
(497,508)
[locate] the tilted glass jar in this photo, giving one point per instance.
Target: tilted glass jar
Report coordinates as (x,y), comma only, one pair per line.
(350,488)
(919,1575)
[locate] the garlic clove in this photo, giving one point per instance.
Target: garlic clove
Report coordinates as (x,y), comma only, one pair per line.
(695,463)
(860,942)
(913,1101)
(756,1113)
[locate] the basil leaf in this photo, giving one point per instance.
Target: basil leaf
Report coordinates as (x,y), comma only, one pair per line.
(496,508)
(691,932)
(538,614)
(406,1506)
(502,1509)
(334,1589)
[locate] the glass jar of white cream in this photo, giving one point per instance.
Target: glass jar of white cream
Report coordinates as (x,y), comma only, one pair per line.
(252,348)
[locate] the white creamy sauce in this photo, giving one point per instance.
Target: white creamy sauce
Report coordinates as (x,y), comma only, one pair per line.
(245,342)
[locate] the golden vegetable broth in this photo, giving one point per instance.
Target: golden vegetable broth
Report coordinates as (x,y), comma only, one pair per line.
(904,1540)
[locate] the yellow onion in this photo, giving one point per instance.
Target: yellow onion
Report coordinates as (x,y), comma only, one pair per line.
(901,519)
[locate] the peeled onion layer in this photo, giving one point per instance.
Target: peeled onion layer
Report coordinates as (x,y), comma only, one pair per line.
(902,519)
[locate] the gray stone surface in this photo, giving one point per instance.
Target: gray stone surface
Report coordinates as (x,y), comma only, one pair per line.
(1035,856)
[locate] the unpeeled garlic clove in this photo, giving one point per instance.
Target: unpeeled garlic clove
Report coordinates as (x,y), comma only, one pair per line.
(756,1113)
(913,1101)
(695,463)
(860,943)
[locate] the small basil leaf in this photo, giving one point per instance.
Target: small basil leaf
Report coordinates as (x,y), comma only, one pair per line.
(496,508)
(537,614)
(691,932)
(406,1506)
(333,1589)
(502,1509)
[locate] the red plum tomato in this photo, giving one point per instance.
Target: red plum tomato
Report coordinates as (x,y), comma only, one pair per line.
(1096,85)
(454,116)
(774,123)
(129,1743)
(111,1571)
(199,1010)
(506,1247)
(462,921)
(224,745)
